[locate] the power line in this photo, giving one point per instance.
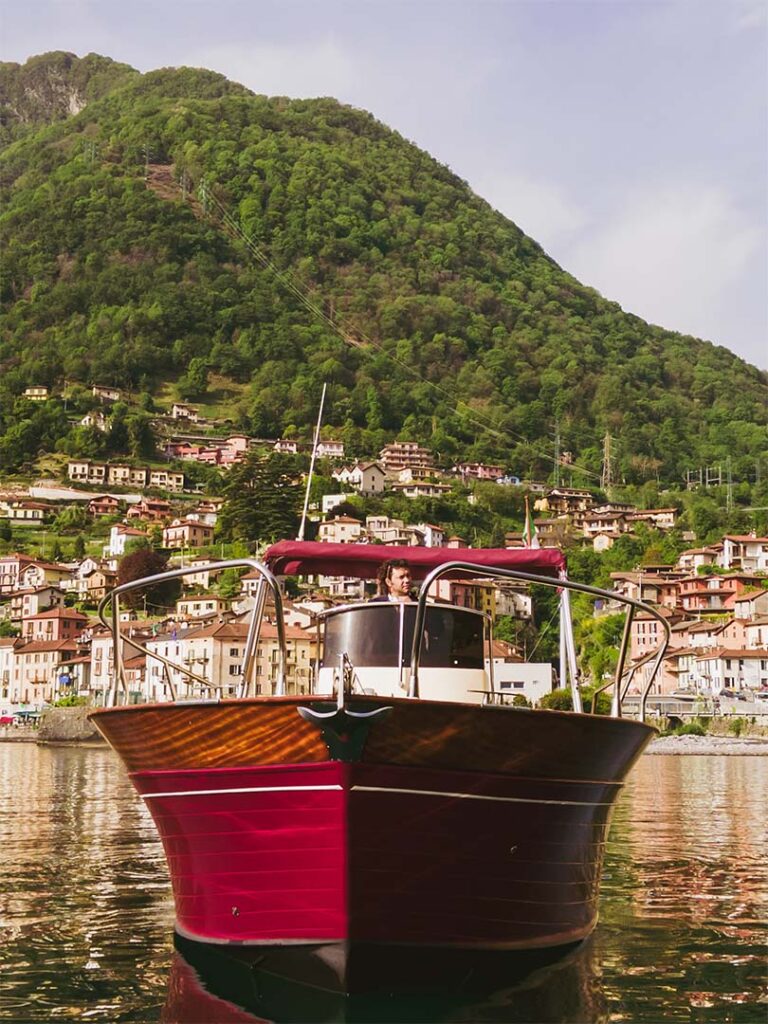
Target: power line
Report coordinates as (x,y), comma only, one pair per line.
(352,335)
(606,475)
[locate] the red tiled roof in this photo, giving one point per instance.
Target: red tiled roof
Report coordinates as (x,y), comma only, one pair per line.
(725,652)
(35,646)
(59,613)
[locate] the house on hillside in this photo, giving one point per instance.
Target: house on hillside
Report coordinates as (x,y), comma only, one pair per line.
(106,394)
(56,624)
(286,446)
(658,518)
(150,510)
(563,501)
(86,472)
(119,474)
(340,530)
(180,411)
(104,505)
(93,585)
(365,477)
(421,489)
(22,510)
(39,573)
(387,531)
(708,594)
(478,471)
(751,604)
(400,455)
(330,449)
(203,606)
(186,533)
(513,675)
(696,558)
(37,667)
(119,536)
(11,568)
(748,553)
(647,633)
(37,393)
(756,633)
(167,480)
(428,535)
(604,524)
(95,419)
(33,600)
(725,669)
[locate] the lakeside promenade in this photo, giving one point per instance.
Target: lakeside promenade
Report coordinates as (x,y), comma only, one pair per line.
(706,745)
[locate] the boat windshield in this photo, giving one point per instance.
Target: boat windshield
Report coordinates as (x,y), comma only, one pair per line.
(370,635)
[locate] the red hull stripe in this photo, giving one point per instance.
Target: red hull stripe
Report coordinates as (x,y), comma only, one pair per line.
(243,789)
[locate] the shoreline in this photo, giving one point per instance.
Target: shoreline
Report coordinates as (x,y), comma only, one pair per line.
(751,746)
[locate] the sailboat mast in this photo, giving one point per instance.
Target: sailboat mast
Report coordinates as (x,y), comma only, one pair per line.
(312,465)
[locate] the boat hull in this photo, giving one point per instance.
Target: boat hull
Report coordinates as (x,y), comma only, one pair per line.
(451,827)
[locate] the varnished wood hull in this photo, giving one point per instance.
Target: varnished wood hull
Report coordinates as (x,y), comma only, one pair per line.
(448,826)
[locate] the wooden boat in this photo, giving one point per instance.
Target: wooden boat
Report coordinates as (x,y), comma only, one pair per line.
(403,809)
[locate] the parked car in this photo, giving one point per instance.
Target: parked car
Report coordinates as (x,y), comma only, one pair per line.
(734,694)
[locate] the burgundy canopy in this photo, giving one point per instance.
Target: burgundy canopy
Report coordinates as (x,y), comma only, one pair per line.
(303,558)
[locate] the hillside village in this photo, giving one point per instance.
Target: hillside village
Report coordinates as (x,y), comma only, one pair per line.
(713,596)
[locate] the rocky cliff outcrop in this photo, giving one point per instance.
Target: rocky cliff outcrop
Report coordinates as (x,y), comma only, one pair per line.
(53,86)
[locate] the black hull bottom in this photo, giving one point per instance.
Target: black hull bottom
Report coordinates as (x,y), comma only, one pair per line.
(364,983)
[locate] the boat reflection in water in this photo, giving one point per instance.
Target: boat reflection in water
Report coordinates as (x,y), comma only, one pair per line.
(211,983)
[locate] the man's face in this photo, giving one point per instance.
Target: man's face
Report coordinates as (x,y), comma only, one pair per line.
(399,582)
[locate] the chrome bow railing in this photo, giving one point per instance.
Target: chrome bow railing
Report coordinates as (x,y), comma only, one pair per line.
(559,583)
(266,581)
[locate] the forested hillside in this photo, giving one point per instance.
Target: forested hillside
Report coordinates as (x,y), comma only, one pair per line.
(454,327)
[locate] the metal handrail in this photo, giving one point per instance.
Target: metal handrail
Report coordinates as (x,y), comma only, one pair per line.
(547,581)
(113,598)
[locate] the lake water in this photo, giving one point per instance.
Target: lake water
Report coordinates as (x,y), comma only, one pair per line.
(86,914)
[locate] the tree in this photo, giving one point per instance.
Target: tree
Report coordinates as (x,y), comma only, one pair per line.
(142,441)
(229,583)
(194,383)
(71,518)
(79,548)
(261,500)
(137,565)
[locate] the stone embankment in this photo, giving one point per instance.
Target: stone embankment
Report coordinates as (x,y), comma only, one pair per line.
(67,725)
(751,745)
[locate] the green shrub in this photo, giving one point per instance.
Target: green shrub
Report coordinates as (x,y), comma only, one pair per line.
(70,701)
(736,726)
(557,700)
(697,727)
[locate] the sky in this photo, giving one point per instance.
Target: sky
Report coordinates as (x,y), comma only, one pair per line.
(628,137)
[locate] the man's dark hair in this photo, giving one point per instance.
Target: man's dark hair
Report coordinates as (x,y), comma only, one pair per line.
(385,572)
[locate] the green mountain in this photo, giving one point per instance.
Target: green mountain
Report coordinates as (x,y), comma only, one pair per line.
(178,225)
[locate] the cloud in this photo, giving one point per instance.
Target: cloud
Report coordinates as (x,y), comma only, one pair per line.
(309,68)
(541,209)
(750,14)
(675,255)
